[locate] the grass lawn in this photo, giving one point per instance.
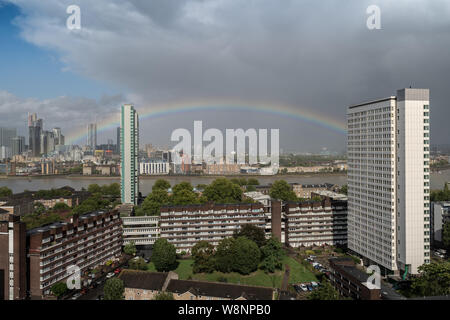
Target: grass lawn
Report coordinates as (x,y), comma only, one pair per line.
(258,278)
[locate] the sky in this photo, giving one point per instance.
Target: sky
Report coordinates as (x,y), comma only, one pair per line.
(312,57)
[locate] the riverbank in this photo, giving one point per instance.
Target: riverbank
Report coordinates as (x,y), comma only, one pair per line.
(162,176)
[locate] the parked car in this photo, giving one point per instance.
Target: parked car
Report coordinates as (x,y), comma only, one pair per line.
(110,275)
(117,271)
(314,284)
(297,288)
(303,287)
(309,287)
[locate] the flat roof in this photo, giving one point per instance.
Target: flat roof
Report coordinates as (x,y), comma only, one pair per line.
(372,102)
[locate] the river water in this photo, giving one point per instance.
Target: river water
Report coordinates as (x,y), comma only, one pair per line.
(19,184)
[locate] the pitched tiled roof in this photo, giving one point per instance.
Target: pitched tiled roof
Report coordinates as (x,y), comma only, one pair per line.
(220,290)
(143,279)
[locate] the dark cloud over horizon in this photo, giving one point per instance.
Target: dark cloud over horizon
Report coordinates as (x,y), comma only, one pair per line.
(317,55)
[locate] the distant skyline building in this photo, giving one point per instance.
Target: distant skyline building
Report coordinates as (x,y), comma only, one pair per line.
(92,136)
(6,136)
(129,154)
(389,181)
(59,138)
(18,145)
(35,127)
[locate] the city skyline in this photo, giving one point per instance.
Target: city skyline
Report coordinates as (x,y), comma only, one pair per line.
(72,95)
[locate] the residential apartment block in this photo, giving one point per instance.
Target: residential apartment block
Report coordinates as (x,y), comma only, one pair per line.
(316,222)
(141,230)
(129,154)
(12,257)
(352,282)
(440,214)
(388,181)
(87,241)
(184,226)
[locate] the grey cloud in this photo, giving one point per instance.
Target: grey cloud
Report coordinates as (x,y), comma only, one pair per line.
(313,54)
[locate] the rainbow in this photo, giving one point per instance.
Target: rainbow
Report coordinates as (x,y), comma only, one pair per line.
(147,112)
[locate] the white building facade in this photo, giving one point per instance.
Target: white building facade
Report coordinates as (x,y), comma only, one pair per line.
(154,168)
(388,181)
(129,154)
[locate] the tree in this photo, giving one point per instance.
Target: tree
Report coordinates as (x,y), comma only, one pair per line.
(164,255)
(183,194)
(161,184)
(246,255)
(433,280)
(113,289)
(253,233)
(325,292)
(252,182)
(130,248)
(446,235)
(61,206)
(203,254)
(224,255)
(153,202)
(223,190)
(137,263)
(281,190)
(59,289)
(39,208)
(94,188)
(344,189)
(163,296)
(5,192)
(272,255)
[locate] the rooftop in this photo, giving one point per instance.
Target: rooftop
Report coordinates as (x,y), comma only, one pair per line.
(220,290)
(143,279)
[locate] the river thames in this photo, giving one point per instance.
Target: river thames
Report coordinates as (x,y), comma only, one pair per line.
(19,184)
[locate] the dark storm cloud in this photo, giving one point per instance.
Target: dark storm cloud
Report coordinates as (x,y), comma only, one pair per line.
(317,55)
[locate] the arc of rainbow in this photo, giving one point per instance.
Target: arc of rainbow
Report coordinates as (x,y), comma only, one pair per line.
(305,115)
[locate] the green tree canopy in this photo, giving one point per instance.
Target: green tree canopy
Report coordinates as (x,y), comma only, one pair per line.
(223,190)
(252,182)
(246,255)
(94,188)
(130,248)
(224,255)
(253,233)
(164,255)
(272,255)
(183,194)
(61,206)
(446,235)
(137,263)
(161,184)
(59,289)
(325,292)
(5,192)
(281,190)
(153,202)
(204,260)
(113,289)
(433,280)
